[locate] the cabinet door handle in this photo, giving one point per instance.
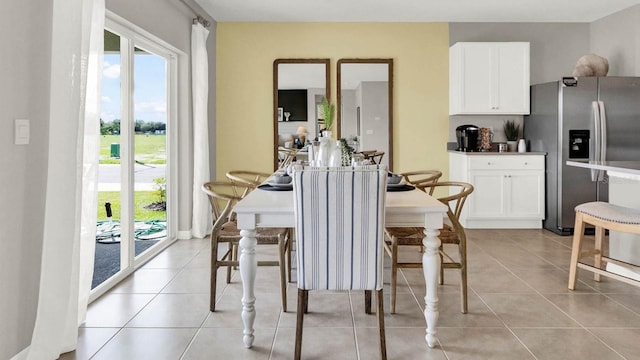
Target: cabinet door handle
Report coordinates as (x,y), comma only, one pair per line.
(526,163)
(488,162)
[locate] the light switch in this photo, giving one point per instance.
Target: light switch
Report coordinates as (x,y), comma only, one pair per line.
(21,132)
(369,132)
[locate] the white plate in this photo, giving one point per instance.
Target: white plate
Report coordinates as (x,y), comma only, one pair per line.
(274,184)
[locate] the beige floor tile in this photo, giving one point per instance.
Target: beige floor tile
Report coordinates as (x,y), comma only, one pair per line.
(143,344)
(223,343)
(550,281)
(532,301)
(497,280)
(229,309)
(624,341)
(333,343)
(171,259)
(527,310)
(595,310)
(115,310)
(326,309)
(481,343)
(150,281)
(478,314)
(90,340)
(565,344)
(408,312)
(402,343)
(629,300)
(173,310)
(191,280)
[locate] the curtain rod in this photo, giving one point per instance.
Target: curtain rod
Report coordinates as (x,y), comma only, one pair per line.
(198,18)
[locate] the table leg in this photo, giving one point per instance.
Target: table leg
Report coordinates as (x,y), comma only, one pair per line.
(431,269)
(248,268)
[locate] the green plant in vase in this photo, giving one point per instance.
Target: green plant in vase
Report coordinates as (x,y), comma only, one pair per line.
(511,132)
(328,113)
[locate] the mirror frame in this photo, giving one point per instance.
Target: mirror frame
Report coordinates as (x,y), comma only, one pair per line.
(277,62)
(389,62)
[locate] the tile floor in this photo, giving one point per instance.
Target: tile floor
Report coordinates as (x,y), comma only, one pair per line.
(519,308)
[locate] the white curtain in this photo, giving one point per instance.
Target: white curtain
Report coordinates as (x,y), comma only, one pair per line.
(202,220)
(71,194)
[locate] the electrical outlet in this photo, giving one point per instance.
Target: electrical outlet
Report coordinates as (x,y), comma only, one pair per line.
(21,132)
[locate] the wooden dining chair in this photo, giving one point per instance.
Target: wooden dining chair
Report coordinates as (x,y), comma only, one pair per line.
(286,157)
(421,178)
(252,179)
(452,233)
(247,177)
(339,227)
(223,195)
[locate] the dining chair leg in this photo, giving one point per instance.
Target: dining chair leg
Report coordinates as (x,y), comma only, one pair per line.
(380,316)
(367,301)
(282,265)
(597,260)
(462,247)
(233,252)
(214,275)
(441,267)
(289,246)
(302,304)
(394,272)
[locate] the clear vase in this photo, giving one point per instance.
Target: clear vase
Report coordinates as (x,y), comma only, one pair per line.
(336,155)
(324,151)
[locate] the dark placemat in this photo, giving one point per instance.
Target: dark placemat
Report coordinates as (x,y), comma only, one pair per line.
(405,187)
(275,188)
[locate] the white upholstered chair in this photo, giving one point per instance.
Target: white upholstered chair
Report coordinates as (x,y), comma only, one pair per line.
(339,218)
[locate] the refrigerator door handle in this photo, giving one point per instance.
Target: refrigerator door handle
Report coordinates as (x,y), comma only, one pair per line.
(597,153)
(603,131)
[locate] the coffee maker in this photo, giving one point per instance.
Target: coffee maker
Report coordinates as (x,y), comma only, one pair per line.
(467,136)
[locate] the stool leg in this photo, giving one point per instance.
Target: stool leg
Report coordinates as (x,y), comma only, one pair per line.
(597,259)
(576,248)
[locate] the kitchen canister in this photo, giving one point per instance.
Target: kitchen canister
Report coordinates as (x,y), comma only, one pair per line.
(522,146)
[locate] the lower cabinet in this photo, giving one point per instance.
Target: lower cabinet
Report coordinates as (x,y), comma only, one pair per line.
(508,190)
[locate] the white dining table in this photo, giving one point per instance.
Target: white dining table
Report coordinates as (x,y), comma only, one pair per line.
(415,208)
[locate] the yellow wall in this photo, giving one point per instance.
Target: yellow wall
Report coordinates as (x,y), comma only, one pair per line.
(244,104)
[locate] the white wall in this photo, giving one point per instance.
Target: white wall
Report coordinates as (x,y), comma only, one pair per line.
(25,70)
(617,38)
(25,28)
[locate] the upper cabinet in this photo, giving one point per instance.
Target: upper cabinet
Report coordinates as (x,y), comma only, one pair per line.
(489,78)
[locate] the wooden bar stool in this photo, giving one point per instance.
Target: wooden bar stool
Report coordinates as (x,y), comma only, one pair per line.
(603,216)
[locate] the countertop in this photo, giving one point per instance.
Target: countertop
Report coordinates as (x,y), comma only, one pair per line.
(481,153)
(611,167)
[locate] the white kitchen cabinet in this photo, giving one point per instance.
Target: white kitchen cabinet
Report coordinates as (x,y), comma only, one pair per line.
(489,78)
(508,189)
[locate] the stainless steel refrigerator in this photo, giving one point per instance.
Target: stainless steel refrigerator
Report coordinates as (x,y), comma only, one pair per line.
(581,119)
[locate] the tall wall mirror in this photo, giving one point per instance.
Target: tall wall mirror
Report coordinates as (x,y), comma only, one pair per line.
(365,105)
(298,88)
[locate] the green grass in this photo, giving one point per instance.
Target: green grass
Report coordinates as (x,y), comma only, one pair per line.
(149,149)
(142,199)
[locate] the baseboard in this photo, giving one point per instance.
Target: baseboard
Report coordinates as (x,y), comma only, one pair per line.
(502,223)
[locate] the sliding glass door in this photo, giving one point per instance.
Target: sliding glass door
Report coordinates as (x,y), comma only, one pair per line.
(138,94)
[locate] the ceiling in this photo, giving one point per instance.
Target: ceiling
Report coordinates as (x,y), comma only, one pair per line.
(412,10)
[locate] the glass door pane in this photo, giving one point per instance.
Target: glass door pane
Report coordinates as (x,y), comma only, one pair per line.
(107,255)
(150,114)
